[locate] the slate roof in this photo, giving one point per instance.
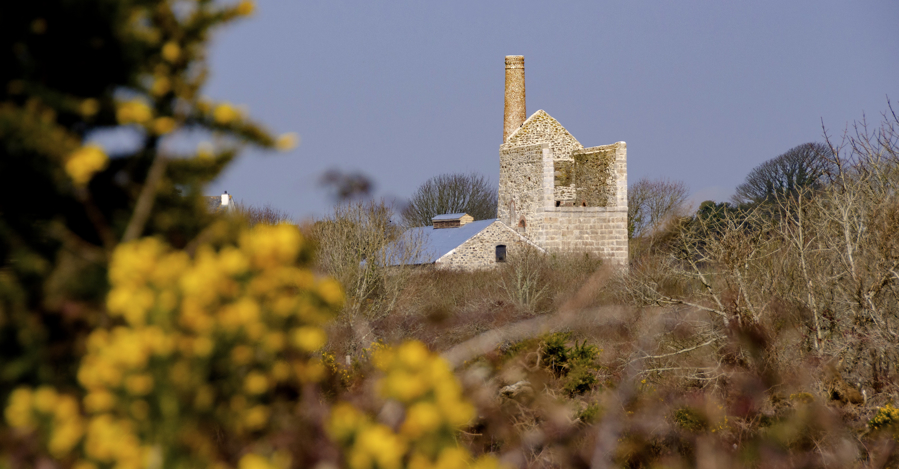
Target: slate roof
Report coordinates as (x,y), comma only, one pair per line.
(437,243)
(449,216)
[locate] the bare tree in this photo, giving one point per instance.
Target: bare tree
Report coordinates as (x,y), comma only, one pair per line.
(650,203)
(470,193)
(356,246)
(266,215)
(826,256)
(805,166)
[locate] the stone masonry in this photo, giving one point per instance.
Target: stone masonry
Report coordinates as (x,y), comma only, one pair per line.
(479,251)
(514,111)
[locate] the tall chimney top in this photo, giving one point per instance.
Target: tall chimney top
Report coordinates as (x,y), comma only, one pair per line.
(515,111)
(514,61)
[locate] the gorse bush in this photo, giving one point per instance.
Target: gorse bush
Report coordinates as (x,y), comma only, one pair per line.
(433,409)
(214,345)
(138,330)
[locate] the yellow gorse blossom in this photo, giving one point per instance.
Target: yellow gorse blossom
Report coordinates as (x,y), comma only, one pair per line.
(85,162)
(163,125)
(287,142)
(224,113)
(89,107)
(435,410)
(246,8)
(27,409)
(133,112)
(180,317)
(171,51)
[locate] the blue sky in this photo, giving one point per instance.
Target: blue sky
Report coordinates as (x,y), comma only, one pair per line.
(702,92)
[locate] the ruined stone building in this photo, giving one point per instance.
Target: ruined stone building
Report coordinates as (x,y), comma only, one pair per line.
(554,194)
(560,195)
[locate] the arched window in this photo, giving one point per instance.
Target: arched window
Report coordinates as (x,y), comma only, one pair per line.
(501,253)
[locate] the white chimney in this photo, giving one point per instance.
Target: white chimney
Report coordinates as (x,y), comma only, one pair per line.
(226,199)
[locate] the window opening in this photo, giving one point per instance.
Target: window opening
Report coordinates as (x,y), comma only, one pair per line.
(501,253)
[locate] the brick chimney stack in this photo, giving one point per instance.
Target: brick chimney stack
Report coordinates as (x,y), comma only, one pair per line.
(515,112)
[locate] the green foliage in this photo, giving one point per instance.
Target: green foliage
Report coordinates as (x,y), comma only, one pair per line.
(575,364)
(580,379)
(690,419)
(73,69)
(590,414)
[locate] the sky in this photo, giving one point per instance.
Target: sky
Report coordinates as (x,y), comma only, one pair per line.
(401,91)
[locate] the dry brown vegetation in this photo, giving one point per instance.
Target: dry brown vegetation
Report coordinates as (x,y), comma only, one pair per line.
(764,335)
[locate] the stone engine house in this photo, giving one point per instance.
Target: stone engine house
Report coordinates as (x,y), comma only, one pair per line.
(556,193)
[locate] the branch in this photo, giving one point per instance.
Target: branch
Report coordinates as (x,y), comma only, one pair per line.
(145,200)
(681,351)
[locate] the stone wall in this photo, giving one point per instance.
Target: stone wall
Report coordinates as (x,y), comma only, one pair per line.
(543,128)
(580,204)
(593,179)
(596,230)
(480,251)
(520,184)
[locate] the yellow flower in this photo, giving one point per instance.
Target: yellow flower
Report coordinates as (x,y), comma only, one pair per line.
(64,437)
(309,338)
(487,461)
(134,111)
(345,420)
(45,399)
(89,107)
(171,51)
(377,442)
(421,418)
(256,417)
(164,125)
(254,461)
(453,458)
(403,386)
(331,292)
(255,383)
(245,8)
(233,261)
(161,86)
(99,401)
(139,385)
(224,113)
(85,162)
(287,142)
(413,354)
(18,411)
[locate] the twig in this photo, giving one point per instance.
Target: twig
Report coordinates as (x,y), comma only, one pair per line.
(681,351)
(145,200)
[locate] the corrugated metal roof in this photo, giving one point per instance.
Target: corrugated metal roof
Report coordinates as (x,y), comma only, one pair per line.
(436,243)
(449,216)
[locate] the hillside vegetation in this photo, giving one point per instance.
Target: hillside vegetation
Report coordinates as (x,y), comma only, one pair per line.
(739,336)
